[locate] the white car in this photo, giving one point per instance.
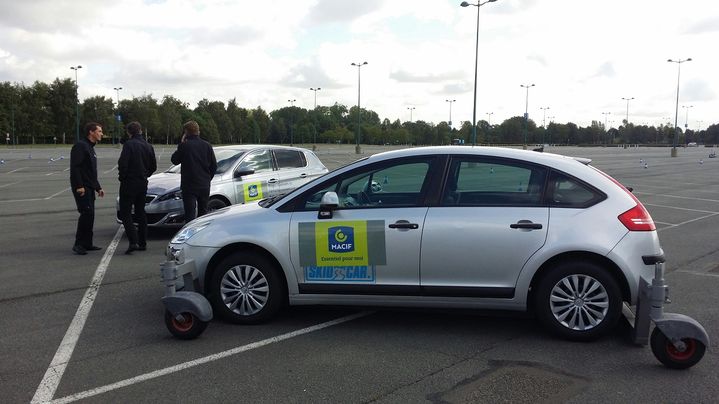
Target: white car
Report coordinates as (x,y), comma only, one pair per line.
(245,173)
(443,227)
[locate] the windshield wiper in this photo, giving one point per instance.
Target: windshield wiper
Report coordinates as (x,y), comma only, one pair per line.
(267,202)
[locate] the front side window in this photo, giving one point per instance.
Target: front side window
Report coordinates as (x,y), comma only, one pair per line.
(473,182)
(260,161)
(396,185)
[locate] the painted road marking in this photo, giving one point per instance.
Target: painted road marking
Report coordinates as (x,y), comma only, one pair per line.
(16,170)
(46,390)
(114,167)
(56,194)
(671,226)
(677,196)
(201,361)
(678,208)
(7,185)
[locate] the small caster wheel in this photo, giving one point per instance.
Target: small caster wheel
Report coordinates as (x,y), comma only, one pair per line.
(670,356)
(184,325)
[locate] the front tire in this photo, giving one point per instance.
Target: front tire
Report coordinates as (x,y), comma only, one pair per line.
(578,301)
(215,204)
(246,289)
(670,356)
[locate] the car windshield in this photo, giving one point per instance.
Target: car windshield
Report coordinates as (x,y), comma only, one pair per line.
(225,160)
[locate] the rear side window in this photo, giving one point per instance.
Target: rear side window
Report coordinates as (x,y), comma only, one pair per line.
(290,159)
(473,182)
(569,192)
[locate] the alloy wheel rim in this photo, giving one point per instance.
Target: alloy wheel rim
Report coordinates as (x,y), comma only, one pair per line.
(244,290)
(579,302)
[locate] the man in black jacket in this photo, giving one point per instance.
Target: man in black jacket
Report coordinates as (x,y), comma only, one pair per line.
(137,162)
(84,184)
(198,167)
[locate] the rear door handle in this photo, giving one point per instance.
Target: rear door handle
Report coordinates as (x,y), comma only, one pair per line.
(272,181)
(526,224)
(303,175)
(403,224)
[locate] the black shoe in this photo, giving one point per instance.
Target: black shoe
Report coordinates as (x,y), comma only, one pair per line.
(79,250)
(141,247)
(131,248)
(93,248)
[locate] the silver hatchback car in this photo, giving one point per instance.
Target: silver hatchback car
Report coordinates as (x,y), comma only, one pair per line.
(444,227)
(245,173)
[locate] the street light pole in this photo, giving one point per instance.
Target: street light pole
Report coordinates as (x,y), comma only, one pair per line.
(450,112)
(476,62)
(605,122)
(292,133)
(77,104)
(686,119)
(676,111)
(544,122)
(316,90)
(359,65)
(410,112)
(117,116)
(526,112)
(627,100)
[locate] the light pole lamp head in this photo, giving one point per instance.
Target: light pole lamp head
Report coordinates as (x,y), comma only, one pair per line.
(464,4)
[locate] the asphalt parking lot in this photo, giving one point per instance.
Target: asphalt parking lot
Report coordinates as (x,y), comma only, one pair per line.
(90,328)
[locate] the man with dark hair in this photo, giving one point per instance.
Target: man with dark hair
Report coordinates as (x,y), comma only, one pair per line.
(137,162)
(198,167)
(84,184)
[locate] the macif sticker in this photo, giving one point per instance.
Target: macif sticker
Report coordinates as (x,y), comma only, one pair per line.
(253,191)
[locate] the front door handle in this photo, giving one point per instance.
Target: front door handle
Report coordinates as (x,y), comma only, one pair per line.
(403,224)
(525,224)
(272,181)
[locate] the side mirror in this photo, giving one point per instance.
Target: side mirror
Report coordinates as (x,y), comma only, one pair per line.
(329,202)
(242,171)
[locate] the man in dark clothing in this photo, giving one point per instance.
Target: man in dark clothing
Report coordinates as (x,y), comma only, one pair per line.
(137,162)
(84,184)
(198,168)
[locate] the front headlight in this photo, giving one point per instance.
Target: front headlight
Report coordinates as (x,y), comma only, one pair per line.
(177,195)
(188,231)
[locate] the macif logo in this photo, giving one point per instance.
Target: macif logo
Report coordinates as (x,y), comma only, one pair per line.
(252,190)
(341,239)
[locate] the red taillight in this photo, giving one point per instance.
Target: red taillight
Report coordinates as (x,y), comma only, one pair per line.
(637,219)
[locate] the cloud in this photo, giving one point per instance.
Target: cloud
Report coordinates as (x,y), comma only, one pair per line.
(340,11)
(456,88)
(605,70)
(404,76)
(307,75)
(538,59)
(697,90)
(705,26)
(51,15)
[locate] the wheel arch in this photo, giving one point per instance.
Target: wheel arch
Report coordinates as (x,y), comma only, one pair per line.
(582,256)
(249,248)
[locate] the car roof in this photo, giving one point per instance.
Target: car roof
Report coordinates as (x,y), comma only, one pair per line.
(255,146)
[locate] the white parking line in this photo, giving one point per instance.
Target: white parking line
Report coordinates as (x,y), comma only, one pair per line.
(56,194)
(678,197)
(23,200)
(50,173)
(671,226)
(678,208)
(16,170)
(114,167)
(207,359)
(46,390)
(7,185)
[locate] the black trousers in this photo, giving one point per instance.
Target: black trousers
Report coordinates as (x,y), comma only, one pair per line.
(134,196)
(86,221)
(195,203)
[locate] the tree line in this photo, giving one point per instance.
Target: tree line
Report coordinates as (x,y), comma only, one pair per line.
(45,113)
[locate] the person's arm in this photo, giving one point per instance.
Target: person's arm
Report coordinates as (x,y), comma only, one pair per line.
(213,161)
(77,157)
(152,167)
(123,163)
(176,157)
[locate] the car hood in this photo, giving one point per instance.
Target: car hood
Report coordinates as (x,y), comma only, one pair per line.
(227,221)
(162,183)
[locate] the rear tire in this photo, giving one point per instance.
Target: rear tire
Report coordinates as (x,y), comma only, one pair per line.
(246,288)
(579,301)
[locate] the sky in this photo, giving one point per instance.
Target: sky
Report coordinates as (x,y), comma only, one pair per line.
(583,56)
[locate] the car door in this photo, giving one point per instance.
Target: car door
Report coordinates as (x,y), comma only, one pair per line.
(291,169)
(263,183)
(490,220)
(371,242)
